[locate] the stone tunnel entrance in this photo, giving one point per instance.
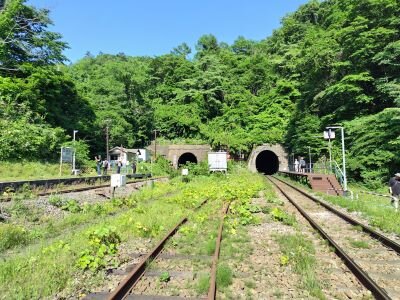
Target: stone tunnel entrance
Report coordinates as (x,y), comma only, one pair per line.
(267,162)
(187,157)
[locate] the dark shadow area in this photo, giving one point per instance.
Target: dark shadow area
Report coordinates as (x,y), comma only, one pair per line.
(267,162)
(187,157)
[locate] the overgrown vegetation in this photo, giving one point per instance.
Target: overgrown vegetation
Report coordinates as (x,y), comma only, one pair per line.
(377,210)
(299,252)
(87,240)
(103,243)
(331,62)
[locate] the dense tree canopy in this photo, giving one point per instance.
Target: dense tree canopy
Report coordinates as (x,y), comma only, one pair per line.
(331,62)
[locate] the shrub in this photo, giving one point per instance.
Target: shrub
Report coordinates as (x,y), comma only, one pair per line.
(11,236)
(103,245)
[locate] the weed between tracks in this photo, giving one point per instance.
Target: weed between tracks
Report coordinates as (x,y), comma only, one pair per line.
(299,252)
(244,252)
(49,266)
(377,210)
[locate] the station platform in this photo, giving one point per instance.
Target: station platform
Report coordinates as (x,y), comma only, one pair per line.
(327,184)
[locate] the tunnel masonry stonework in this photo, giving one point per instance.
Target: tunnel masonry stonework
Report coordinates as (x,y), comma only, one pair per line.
(184,152)
(267,160)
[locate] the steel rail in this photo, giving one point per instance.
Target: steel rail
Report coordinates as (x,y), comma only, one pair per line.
(364,278)
(376,235)
(212,291)
(54,181)
(87,188)
(124,288)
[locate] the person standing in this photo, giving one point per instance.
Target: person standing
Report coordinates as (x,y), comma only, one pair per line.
(133,167)
(105,166)
(296,165)
(394,190)
(119,165)
(98,164)
(302,165)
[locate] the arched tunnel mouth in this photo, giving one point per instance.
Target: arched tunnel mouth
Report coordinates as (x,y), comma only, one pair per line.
(187,157)
(267,162)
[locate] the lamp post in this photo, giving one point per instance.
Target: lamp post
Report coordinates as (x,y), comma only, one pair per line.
(343,154)
(73,158)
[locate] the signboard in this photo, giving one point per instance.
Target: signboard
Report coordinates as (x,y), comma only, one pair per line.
(329,135)
(217,161)
(67,154)
(118,180)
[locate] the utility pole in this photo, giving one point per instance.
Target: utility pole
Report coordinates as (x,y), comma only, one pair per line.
(73,157)
(107,122)
(309,155)
(155,144)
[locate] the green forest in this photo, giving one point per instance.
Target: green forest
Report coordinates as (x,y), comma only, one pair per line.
(330,62)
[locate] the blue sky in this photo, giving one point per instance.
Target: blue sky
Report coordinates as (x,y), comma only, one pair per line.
(151,27)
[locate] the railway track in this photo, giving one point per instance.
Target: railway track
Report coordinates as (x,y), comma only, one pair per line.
(47,192)
(373,258)
(49,183)
(126,287)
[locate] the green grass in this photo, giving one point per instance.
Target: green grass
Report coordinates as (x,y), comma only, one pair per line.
(299,252)
(377,210)
(203,284)
(359,244)
(48,264)
(224,276)
(31,170)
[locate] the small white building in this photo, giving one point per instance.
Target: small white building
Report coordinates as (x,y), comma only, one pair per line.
(128,155)
(142,154)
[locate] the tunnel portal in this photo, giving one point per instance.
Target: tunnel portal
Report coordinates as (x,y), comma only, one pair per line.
(267,162)
(187,157)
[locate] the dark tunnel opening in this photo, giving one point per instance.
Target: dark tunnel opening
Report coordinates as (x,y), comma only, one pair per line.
(187,157)
(267,162)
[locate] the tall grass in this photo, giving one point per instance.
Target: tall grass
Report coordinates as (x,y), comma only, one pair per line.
(31,170)
(299,252)
(377,210)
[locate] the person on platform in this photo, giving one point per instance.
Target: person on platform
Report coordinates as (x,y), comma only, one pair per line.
(302,165)
(394,190)
(98,164)
(119,166)
(296,165)
(133,167)
(105,166)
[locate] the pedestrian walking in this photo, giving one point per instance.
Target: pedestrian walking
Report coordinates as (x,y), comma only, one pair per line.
(302,165)
(394,190)
(98,164)
(296,165)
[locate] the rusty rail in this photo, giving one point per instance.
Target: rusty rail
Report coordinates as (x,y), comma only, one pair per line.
(134,276)
(363,276)
(376,235)
(87,188)
(213,278)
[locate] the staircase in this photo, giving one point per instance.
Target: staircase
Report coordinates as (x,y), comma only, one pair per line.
(327,184)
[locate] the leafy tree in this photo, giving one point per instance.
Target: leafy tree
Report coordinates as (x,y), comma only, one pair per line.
(24,37)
